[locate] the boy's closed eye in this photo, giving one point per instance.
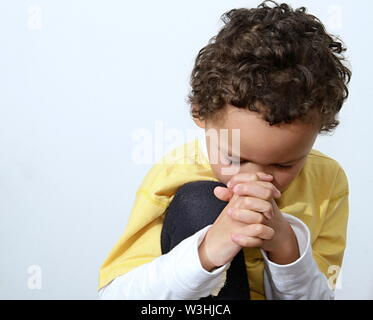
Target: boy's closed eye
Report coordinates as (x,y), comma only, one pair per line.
(234,161)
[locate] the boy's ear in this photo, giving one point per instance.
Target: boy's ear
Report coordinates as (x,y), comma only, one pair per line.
(200,123)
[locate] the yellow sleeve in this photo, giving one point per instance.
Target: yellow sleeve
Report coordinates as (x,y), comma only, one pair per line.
(328,248)
(140,242)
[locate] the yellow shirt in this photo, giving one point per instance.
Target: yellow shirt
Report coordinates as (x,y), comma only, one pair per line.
(318,196)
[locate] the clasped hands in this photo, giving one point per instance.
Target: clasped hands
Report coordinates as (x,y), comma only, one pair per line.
(250,219)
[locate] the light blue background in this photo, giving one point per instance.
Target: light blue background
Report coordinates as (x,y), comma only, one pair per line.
(74,91)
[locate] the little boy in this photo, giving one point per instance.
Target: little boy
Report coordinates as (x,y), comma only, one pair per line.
(258,215)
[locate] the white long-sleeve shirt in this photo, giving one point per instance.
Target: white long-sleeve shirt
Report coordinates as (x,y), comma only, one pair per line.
(179,275)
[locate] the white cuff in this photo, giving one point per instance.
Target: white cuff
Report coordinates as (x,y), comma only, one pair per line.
(175,275)
(300,279)
(292,271)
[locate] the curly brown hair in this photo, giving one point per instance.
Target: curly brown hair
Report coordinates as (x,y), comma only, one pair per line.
(276,61)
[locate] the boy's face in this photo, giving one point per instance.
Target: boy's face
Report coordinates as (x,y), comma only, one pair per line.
(260,147)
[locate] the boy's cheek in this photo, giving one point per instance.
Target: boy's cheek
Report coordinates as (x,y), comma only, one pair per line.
(221,173)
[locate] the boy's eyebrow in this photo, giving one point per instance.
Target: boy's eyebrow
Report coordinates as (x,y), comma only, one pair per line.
(272,164)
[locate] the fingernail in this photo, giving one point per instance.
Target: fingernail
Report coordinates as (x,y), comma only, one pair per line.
(236,188)
(229,184)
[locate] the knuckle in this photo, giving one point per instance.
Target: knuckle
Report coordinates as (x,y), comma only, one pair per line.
(260,219)
(242,186)
(248,202)
(269,207)
(259,228)
(268,212)
(259,243)
(235,214)
(268,194)
(233,180)
(275,192)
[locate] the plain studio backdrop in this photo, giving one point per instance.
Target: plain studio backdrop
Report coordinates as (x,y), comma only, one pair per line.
(82,81)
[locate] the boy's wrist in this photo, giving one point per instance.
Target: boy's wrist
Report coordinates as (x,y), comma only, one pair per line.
(205,262)
(288,252)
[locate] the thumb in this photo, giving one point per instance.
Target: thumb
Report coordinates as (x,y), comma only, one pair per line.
(222,193)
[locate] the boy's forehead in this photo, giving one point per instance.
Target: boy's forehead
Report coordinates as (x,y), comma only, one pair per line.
(251,123)
(279,142)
